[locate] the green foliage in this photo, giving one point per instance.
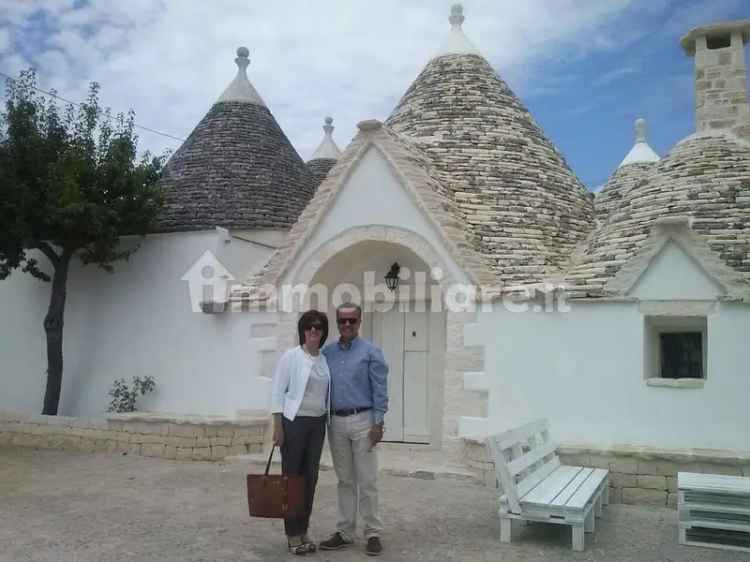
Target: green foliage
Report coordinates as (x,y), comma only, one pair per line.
(124,396)
(71,181)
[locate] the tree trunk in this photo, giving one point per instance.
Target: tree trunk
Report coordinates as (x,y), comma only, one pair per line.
(53,326)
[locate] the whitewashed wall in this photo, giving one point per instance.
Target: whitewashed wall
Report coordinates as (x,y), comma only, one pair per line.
(373,195)
(584,370)
(138,321)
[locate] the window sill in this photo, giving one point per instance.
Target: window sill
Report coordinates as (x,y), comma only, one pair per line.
(676,383)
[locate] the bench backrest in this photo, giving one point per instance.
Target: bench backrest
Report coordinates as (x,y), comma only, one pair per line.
(523,457)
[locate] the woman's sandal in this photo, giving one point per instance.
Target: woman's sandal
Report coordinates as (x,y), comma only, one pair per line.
(309,544)
(298,549)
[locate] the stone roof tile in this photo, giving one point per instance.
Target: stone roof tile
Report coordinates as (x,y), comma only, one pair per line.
(520,204)
(237,169)
(706,177)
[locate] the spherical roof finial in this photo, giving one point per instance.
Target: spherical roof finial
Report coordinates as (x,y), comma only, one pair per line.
(242,59)
(641,129)
(240,89)
(328,127)
(457,15)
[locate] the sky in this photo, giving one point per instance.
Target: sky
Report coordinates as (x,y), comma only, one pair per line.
(586,69)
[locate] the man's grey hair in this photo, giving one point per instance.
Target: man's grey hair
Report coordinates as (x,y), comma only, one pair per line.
(349,306)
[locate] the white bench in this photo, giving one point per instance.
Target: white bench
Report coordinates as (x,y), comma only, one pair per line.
(534,486)
(714,510)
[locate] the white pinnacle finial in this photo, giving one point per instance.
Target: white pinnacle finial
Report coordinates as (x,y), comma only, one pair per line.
(240,88)
(640,130)
(457,15)
(457,42)
(327,149)
(641,151)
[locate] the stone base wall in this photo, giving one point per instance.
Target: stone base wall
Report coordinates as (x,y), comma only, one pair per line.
(151,435)
(638,476)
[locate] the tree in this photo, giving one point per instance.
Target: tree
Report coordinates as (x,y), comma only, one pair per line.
(71,184)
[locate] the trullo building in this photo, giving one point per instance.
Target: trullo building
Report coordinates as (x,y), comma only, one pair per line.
(623,318)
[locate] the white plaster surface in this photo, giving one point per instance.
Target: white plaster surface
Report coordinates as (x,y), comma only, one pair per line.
(327,149)
(584,370)
(135,322)
(240,89)
(373,195)
(674,275)
(641,151)
(457,43)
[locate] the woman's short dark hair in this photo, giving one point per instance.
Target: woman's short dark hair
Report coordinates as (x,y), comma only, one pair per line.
(308,319)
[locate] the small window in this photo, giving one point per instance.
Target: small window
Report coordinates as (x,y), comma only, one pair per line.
(719,41)
(675,349)
(681,355)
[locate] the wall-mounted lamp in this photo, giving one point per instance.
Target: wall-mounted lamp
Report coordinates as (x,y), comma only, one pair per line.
(391,278)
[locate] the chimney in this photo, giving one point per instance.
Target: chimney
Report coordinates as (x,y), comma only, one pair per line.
(721,102)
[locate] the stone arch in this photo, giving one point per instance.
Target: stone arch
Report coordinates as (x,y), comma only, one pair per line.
(375,233)
(458,358)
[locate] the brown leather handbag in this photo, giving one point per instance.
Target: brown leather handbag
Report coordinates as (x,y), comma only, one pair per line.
(279,496)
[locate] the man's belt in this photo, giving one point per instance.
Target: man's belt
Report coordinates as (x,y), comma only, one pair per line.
(350,411)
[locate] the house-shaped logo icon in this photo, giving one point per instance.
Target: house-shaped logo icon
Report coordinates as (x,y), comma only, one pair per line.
(208,281)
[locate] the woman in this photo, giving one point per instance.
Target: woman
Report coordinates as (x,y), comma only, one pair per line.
(299,403)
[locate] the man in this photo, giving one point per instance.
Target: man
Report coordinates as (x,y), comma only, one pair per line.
(359,401)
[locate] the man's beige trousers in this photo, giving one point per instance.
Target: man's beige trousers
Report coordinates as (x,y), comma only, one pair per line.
(356,466)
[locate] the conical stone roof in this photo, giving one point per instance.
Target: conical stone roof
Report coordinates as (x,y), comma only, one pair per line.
(619,183)
(325,156)
(237,169)
(636,165)
(705,177)
(521,204)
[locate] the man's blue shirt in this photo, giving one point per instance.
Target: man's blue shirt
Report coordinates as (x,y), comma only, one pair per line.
(358,376)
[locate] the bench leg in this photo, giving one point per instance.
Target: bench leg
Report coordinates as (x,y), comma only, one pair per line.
(505,529)
(605,494)
(589,522)
(598,506)
(578,538)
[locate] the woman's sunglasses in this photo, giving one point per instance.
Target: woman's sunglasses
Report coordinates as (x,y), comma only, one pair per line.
(318,327)
(350,321)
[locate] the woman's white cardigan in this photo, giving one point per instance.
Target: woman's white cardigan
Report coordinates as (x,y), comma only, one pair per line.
(290,382)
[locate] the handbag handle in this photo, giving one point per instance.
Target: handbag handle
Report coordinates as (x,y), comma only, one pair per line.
(268,465)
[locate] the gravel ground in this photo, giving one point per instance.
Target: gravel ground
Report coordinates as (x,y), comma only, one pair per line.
(60,506)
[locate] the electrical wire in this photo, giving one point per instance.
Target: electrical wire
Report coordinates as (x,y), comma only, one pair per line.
(58,97)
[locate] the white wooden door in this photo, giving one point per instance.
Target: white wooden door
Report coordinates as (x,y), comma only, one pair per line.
(404,339)
(416,377)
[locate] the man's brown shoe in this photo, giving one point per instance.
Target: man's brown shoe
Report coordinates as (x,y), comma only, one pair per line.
(374,547)
(336,542)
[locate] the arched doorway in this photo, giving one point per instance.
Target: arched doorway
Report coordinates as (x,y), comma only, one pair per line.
(408,324)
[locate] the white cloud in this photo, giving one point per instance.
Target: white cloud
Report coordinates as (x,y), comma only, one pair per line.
(614,75)
(170,60)
(12,64)
(4,39)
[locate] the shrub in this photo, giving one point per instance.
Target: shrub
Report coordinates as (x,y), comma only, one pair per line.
(124,395)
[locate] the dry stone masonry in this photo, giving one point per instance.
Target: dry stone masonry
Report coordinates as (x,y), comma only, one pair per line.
(706,177)
(237,169)
(519,202)
(325,156)
(623,180)
(721,101)
(209,438)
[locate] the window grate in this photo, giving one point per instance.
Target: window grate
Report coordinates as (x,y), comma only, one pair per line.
(681,355)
